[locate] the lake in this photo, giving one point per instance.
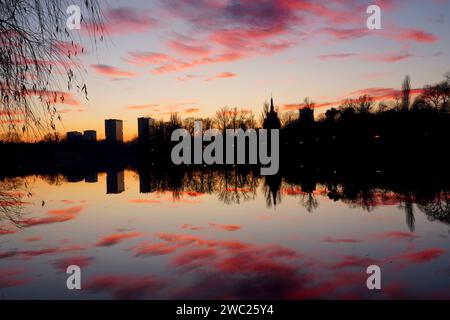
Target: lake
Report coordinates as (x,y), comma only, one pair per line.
(205,234)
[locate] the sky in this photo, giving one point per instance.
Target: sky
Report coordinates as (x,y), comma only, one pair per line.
(195,56)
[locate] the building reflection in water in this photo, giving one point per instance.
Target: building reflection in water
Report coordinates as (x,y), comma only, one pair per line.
(115,182)
(91,177)
(146,182)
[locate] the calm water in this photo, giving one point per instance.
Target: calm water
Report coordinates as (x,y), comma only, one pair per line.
(209,235)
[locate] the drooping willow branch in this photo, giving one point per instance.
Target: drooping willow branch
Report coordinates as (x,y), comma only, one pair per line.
(39,61)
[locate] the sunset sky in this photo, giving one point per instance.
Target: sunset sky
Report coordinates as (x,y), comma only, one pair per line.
(195,56)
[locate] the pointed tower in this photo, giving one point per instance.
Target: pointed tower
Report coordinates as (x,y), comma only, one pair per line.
(272,107)
(272,121)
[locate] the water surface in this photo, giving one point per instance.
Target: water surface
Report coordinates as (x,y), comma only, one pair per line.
(217,236)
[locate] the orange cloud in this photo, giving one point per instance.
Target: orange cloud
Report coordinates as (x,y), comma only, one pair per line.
(226,227)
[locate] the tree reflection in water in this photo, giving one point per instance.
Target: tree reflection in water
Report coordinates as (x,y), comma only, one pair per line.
(234,186)
(12,194)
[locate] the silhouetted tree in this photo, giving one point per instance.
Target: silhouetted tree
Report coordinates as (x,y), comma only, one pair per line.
(36,51)
(364,104)
(406,91)
(438,95)
(223,118)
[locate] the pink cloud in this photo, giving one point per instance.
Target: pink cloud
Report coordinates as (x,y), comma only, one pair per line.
(382,93)
(147,57)
(113,72)
(187,49)
(390,57)
(57,97)
(414,35)
(222,75)
(123,20)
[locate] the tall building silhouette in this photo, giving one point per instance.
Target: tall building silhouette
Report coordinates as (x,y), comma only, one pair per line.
(74,136)
(145,128)
(114,130)
(90,135)
(272,121)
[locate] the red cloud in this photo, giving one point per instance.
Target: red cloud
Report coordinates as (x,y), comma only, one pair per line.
(415,35)
(6,231)
(351,261)
(149,249)
(192,257)
(111,71)
(114,239)
(393,32)
(382,93)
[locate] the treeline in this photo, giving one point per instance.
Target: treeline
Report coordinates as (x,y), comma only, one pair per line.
(365,130)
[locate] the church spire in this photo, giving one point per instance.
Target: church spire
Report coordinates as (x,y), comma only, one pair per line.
(272,108)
